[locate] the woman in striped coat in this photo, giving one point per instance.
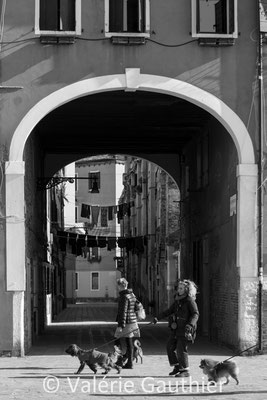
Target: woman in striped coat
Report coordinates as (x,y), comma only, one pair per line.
(127,320)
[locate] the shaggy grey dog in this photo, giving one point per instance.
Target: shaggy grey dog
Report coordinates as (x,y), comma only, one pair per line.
(94,358)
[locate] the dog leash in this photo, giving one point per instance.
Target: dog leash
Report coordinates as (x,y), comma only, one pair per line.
(113,340)
(255,345)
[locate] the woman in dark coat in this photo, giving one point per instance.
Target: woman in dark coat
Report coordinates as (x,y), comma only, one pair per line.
(183,316)
(127,320)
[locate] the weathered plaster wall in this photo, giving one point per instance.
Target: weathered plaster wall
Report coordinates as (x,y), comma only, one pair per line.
(41,69)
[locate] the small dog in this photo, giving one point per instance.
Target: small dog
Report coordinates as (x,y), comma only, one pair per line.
(94,358)
(217,370)
(138,351)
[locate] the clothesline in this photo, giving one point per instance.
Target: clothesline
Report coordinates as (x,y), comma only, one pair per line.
(107,213)
(80,241)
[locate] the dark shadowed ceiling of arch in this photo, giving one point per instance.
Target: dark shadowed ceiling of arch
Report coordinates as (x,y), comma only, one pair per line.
(121,122)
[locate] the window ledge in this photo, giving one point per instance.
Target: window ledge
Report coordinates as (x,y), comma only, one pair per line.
(128,40)
(57,39)
(216,41)
(127,34)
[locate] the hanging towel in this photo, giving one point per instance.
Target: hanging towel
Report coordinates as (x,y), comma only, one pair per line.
(85,211)
(110,213)
(121,242)
(95,214)
(91,241)
(62,240)
(85,251)
(73,242)
(102,241)
(120,212)
(104,217)
(111,243)
(80,244)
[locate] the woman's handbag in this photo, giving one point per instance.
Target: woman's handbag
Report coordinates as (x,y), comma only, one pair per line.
(140,311)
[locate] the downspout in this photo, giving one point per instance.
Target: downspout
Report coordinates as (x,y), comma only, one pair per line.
(260,184)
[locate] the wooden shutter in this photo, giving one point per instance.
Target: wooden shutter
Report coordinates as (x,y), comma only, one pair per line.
(67,15)
(220,17)
(132,15)
(115,15)
(231,16)
(48,15)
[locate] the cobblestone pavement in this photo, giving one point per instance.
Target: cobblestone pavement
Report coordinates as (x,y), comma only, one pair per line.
(47,372)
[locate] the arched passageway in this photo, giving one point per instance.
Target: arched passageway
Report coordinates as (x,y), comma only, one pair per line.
(162,120)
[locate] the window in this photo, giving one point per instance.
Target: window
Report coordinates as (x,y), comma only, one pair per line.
(76,214)
(94,254)
(127,18)
(58,17)
(76,280)
(214,18)
(94,179)
(95,281)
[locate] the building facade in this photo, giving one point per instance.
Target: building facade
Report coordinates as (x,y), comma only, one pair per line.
(91,272)
(179,84)
(151,264)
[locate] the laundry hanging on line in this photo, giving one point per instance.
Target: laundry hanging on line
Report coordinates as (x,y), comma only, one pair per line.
(79,241)
(92,212)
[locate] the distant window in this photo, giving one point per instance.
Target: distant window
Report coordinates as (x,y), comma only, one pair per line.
(76,280)
(94,254)
(94,179)
(127,17)
(95,281)
(214,18)
(76,214)
(58,17)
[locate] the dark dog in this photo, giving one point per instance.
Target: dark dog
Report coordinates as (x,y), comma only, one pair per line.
(94,358)
(138,352)
(217,370)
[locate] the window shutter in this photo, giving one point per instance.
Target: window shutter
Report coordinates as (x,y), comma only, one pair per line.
(231,16)
(48,15)
(133,16)
(220,17)
(67,15)
(116,15)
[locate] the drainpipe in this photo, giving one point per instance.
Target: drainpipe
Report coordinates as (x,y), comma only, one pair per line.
(260,184)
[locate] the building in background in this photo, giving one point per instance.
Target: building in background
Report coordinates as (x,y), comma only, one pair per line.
(151,228)
(91,223)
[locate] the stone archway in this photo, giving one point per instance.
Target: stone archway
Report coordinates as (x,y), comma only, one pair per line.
(132,80)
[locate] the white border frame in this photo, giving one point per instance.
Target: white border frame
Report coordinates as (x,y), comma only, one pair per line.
(233,35)
(127,34)
(78,22)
